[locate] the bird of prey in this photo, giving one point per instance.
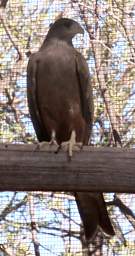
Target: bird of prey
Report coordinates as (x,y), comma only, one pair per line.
(61,107)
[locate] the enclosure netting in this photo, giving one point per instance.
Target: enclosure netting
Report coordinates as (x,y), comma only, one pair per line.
(109,48)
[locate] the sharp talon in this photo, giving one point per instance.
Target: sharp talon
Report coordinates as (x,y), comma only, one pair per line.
(71,145)
(58,149)
(37,147)
(69,158)
(42,145)
(45,145)
(48,145)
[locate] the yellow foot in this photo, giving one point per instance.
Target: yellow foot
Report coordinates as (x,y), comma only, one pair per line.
(71,144)
(47,145)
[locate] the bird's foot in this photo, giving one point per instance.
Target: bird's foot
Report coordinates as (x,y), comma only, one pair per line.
(47,145)
(71,145)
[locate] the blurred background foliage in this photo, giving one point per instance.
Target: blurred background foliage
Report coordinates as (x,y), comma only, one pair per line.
(40,223)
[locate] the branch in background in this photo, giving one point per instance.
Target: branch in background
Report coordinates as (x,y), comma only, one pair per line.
(95,247)
(64,232)
(124,209)
(94,39)
(33,224)
(4,249)
(12,101)
(10,207)
(3,3)
(117,138)
(119,231)
(124,21)
(10,38)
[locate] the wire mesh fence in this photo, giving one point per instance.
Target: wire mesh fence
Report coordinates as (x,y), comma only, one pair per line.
(40,223)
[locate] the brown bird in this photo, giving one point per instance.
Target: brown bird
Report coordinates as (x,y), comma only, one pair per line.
(61,107)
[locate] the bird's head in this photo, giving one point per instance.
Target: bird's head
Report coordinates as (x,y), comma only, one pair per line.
(64,29)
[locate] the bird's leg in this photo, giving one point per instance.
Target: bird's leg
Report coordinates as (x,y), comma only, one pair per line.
(45,144)
(72,144)
(53,139)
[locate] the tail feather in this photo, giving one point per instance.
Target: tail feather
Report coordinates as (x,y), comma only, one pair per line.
(104,220)
(93,213)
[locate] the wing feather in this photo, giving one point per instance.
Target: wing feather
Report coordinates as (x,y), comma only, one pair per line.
(32,84)
(85,88)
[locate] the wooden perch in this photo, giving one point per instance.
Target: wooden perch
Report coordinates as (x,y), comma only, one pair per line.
(92,169)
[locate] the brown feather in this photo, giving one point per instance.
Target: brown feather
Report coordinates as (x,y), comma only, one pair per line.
(60,99)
